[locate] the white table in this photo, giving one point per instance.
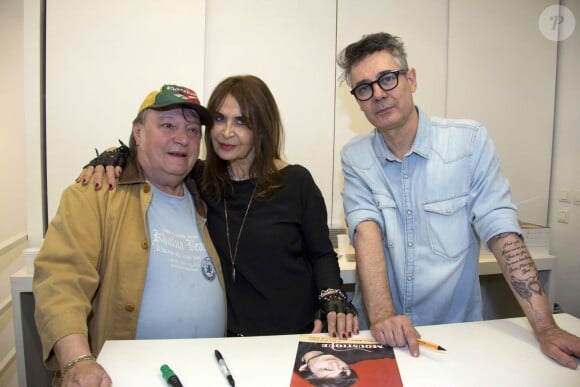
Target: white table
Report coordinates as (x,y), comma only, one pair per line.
(28,353)
(487,353)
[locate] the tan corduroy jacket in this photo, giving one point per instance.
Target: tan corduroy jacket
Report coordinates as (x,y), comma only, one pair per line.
(90,272)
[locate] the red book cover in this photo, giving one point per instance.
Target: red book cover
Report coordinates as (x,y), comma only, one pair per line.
(330,362)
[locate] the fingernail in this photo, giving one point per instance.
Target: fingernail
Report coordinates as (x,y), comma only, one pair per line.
(110,186)
(349,334)
(334,334)
(97,185)
(84,181)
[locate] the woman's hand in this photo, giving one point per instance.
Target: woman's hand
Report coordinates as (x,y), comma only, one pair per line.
(110,162)
(98,173)
(339,314)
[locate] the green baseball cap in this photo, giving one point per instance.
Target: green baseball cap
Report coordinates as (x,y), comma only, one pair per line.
(170,95)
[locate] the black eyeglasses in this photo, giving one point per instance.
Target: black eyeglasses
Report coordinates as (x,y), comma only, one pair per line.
(388,80)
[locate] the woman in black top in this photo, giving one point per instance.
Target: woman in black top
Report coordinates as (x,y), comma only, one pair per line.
(266,218)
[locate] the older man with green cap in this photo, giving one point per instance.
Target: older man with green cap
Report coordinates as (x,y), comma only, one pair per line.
(134,262)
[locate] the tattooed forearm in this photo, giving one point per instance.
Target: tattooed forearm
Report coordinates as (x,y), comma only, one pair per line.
(519,265)
(526,289)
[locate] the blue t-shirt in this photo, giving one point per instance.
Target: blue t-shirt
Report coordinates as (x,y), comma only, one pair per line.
(183,297)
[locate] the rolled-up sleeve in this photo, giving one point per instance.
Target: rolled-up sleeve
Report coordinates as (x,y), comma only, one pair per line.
(360,202)
(491,206)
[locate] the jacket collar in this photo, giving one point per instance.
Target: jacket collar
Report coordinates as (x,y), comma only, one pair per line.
(132,173)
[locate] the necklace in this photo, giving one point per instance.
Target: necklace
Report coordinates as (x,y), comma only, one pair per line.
(234,177)
(235,253)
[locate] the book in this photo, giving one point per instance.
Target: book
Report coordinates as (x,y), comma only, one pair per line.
(326,361)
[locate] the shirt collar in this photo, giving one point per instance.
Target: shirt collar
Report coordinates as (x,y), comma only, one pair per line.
(421,146)
(422,143)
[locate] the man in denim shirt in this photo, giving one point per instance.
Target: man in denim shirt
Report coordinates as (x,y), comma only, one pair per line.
(419,195)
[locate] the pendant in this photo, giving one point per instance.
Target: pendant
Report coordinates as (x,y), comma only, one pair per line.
(234,273)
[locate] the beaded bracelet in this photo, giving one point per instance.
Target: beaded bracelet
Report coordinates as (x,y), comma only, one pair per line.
(331,294)
(74,361)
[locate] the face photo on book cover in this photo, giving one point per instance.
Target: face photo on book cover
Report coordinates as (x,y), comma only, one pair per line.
(338,363)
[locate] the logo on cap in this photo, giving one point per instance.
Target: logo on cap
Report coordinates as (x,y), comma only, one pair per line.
(182,92)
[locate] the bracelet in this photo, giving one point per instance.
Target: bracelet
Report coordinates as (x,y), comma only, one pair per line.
(331,294)
(74,361)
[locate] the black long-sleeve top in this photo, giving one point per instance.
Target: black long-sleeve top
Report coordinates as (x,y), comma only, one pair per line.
(284,258)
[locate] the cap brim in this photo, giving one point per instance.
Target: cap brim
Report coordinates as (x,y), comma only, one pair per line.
(204,116)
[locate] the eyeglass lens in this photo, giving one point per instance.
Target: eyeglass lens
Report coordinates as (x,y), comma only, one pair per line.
(387,81)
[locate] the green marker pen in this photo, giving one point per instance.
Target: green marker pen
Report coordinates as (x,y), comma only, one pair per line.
(170,376)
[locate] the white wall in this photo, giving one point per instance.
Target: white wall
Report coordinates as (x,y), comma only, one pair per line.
(489,83)
(565,242)
(12,172)
(12,139)
(103,58)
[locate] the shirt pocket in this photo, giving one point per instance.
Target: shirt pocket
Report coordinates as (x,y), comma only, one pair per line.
(388,209)
(448,226)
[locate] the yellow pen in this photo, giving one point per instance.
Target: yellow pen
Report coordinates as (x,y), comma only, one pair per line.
(428,344)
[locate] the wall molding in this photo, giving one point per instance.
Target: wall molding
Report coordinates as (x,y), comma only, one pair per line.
(12,242)
(7,360)
(5,306)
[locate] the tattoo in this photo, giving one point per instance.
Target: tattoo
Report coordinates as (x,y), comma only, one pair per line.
(526,289)
(504,235)
(520,288)
(520,266)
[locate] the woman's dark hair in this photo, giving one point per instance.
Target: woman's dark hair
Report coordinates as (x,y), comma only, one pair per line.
(342,380)
(259,109)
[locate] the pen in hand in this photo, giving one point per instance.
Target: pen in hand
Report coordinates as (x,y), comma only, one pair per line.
(170,376)
(224,368)
(428,344)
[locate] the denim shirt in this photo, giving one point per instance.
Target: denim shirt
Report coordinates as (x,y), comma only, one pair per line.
(433,207)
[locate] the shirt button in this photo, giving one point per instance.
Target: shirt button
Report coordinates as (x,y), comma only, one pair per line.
(130,308)
(448,211)
(408,310)
(144,245)
(409,278)
(406,176)
(409,212)
(146,188)
(410,244)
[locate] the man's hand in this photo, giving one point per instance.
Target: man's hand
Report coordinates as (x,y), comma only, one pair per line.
(561,346)
(87,374)
(77,364)
(396,331)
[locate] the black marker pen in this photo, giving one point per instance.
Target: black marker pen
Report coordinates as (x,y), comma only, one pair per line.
(170,376)
(224,368)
